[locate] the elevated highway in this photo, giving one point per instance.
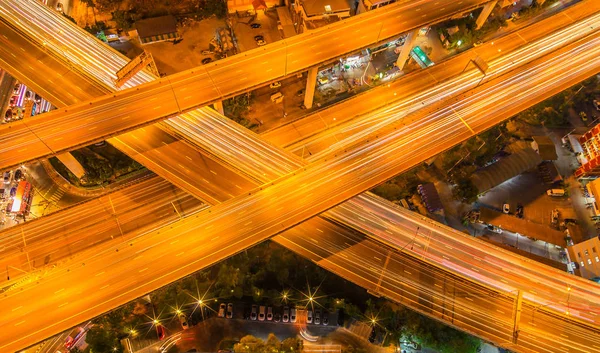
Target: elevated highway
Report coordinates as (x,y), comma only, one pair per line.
(343,175)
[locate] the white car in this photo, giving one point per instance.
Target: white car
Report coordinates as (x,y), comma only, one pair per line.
(286,314)
(506,208)
(309,317)
(317,317)
(275,84)
(293,315)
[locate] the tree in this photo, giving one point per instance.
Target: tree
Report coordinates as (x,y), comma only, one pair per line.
(465,190)
(291,345)
(249,344)
(273,344)
(101,340)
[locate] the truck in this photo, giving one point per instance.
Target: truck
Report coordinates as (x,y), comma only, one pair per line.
(556,192)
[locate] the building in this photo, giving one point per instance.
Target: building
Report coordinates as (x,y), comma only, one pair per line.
(311,14)
(430,197)
(368,5)
(250,6)
(523,159)
(544,146)
(587,256)
(157,29)
(590,157)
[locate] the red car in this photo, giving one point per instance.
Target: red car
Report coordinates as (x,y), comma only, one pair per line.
(160,330)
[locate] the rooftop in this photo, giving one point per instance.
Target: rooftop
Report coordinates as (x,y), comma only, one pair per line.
(545,147)
(320,7)
(156,26)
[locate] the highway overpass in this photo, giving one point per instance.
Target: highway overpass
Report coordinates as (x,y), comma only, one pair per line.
(343,175)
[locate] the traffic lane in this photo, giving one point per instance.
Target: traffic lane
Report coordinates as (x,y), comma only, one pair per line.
(406,85)
(65,233)
(434,239)
(230,143)
(41,72)
(400,279)
(196,172)
(355,172)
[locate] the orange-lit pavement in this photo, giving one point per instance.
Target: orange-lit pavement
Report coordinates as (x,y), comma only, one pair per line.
(224,229)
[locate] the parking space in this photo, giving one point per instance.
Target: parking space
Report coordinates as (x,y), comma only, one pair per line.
(245,32)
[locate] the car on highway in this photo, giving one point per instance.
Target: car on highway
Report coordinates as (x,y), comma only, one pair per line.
(275,84)
(478,43)
(206,61)
(269,314)
(229,314)
(261,313)
(286,314)
(255,25)
(254,313)
(222,308)
(309,317)
(317,317)
(293,315)
(506,208)
(183,321)
(325,318)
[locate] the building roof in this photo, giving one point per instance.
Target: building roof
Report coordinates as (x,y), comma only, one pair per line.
(156,26)
(587,256)
(430,197)
(545,147)
(317,7)
(506,168)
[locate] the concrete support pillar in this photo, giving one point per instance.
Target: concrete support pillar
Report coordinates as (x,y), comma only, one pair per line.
(485,13)
(219,107)
(409,42)
(71,163)
(311,84)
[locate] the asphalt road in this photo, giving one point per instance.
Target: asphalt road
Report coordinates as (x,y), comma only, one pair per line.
(106,279)
(105,116)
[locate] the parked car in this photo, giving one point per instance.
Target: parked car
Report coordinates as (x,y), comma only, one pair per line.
(317,317)
(254,313)
(556,192)
(222,308)
(275,84)
(286,314)
(293,315)
(596,104)
(183,321)
(7,176)
(300,93)
(325,318)
(277,317)
(506,208)
(207,52)
(59,7)
(494,229)
(260,43)
(309,317)
(255,25)
(261,313)
(519,211)
(259,37)
(160,330)
(269,314)
(206,61)
(17,88)
(478,43)
(229,314)
(18,175)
